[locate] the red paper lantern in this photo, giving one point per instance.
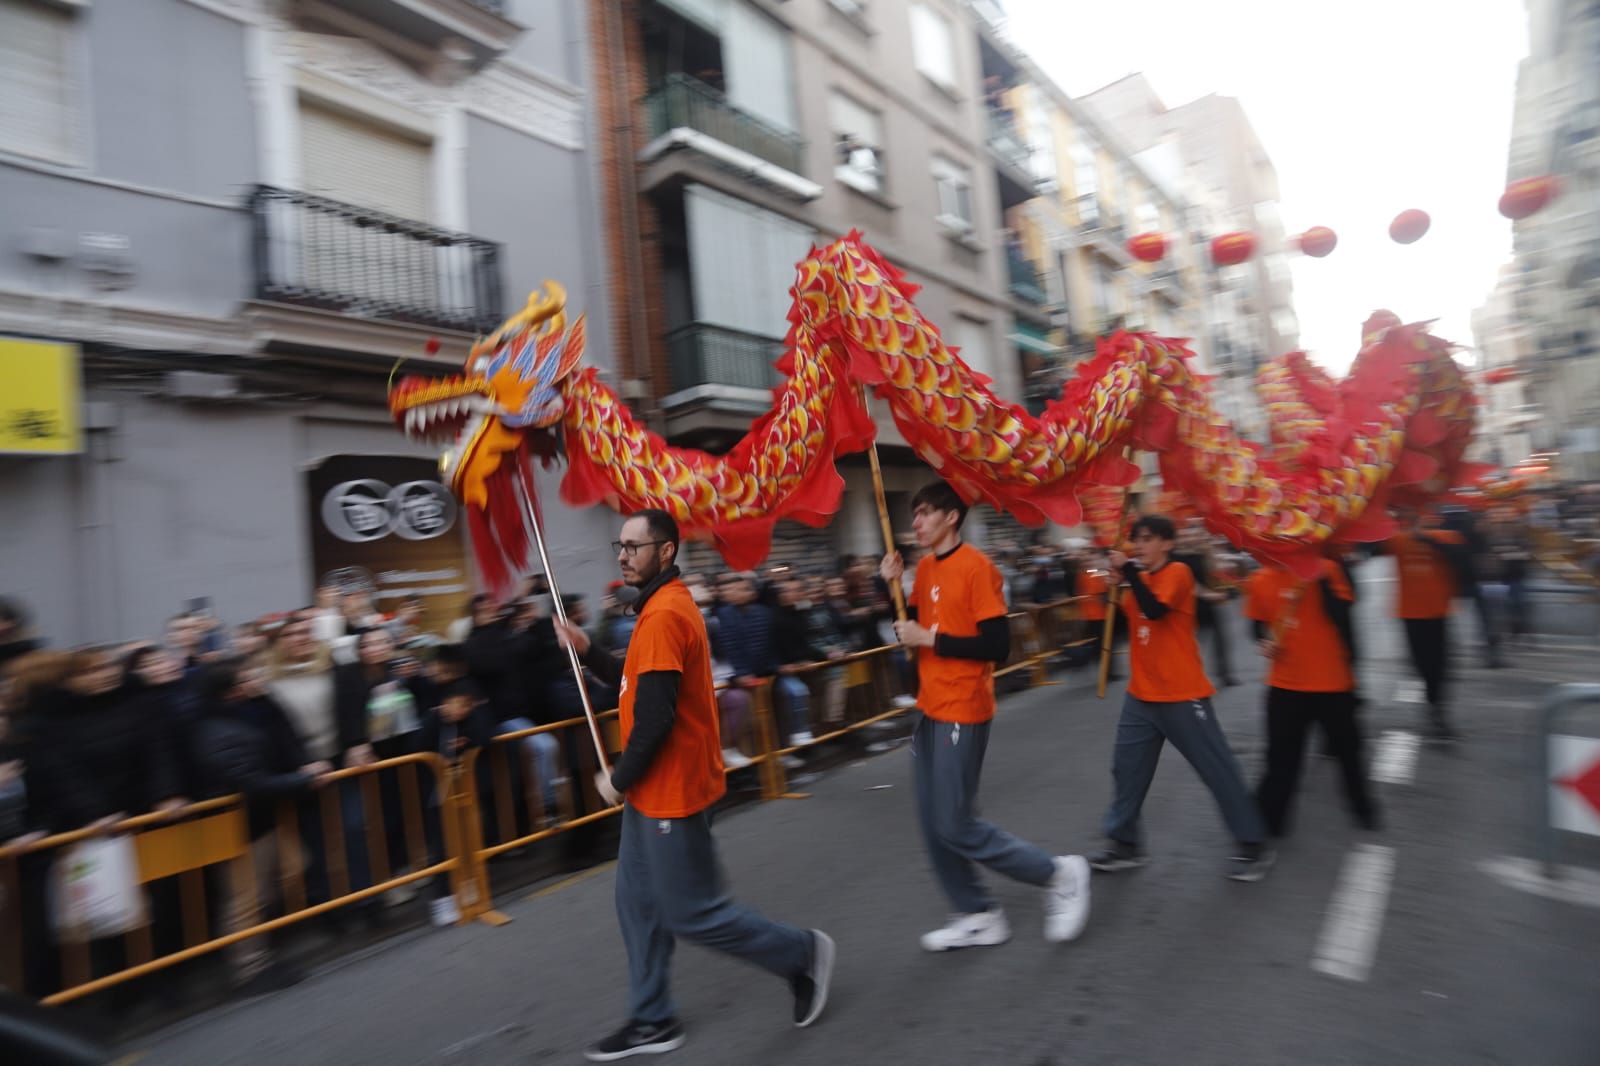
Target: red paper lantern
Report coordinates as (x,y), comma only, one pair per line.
(1231,249)
(1528,196)
(1317,241)
(1409,226)
(431,345)
(1499,375)
(1148,247)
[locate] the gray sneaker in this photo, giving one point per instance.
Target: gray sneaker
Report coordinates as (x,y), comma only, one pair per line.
(1251,863)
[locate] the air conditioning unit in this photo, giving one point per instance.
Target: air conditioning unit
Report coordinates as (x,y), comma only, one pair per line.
(201,386)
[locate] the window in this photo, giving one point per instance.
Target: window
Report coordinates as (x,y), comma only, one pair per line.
(954,185)
(364,163)
(1041,138)
(972,338)
(933,46)
(741,262)
(1085,174)
(38,93)
(858,144)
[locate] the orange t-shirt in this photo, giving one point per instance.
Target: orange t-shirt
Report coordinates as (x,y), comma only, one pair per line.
(686,776)
(1164,658)
(952,595)
(1427,582)
(1091,583)
(1311,654)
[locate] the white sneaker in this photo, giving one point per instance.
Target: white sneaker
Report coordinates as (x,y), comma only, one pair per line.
(443,911)
(802,737)
(793,762)
(904,701)
(1066,899)
(982,930)
(733,759)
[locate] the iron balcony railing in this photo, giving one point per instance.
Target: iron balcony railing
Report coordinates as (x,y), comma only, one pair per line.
(321,253)
(494,7)
(683,102)
(703,354)
(1006,142)
(1025,282)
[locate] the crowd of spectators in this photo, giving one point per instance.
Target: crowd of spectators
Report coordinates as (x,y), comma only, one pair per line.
(272,708)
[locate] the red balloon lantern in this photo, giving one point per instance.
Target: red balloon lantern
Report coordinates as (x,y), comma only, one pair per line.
(1317,241)
(1409,226)
(1528,196)
(1499,375)
(1148,247)
(1231,249)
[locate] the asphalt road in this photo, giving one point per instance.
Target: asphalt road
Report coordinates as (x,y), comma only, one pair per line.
(1178,965)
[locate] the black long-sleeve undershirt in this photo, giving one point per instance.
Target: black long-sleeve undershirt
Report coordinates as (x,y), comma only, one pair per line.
(1149,606)
(655,709)
(991,644)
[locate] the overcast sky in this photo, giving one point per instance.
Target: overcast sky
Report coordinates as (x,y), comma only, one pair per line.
(1367,107)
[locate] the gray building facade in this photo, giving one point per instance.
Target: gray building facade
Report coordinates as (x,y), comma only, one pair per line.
(248,214)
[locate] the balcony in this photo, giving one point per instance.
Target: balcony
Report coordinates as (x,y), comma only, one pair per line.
(1013,160)
(1025,284)
(483,28)
(701,354)
(320,254)
(1102,228)
(688,113)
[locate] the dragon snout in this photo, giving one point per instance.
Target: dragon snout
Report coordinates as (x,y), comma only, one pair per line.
(438,408)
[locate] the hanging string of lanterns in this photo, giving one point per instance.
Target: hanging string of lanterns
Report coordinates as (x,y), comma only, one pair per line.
(1522,199)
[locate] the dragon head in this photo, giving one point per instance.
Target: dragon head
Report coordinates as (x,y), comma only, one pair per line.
(510,389)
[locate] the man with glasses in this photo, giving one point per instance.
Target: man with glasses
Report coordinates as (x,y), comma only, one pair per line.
(669,882)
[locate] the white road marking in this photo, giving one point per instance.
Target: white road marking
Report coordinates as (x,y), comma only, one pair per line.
(1354,923)
(1409,690)
(1572,884)
(1396,760)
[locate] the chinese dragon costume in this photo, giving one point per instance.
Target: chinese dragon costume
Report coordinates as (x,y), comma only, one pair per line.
(1394,430)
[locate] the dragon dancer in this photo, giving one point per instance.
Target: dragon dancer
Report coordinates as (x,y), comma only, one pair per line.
(669,882)
(959,635)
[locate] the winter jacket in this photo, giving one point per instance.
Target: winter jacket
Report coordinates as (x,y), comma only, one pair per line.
(89,757)
(250,746)
(744,640)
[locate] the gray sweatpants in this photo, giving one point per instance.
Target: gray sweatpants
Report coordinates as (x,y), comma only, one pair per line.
(948,759)
(1193,729)
(670,884)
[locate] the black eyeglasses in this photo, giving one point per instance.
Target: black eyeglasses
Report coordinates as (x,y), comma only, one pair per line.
(618,547)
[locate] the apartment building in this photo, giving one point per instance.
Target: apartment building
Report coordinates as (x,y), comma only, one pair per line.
(1556,268)
(239,218)
(743,131)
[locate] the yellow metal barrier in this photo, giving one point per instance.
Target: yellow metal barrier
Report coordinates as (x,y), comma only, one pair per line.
(182,844)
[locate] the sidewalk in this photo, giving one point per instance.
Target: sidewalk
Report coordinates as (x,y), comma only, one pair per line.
(1465,970)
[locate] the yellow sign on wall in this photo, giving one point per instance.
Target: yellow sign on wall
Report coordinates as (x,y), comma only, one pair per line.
(41,401)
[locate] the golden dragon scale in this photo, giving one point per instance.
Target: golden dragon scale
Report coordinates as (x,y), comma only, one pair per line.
(1394,430)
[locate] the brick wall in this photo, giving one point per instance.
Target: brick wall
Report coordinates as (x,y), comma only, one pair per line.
(633,269)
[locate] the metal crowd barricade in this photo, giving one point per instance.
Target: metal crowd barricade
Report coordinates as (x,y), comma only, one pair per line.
(183,844)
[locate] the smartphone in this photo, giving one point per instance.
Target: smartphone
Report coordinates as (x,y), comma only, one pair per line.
(197,605)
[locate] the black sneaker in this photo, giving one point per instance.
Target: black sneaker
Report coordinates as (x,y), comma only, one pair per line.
(638,1038)
(811,988)
(1118,856)
(1251,863)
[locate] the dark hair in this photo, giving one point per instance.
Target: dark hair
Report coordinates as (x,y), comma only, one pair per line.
(132,664)
(941,497)
(464,687)
(661,525)
(1158,526)
(478,600)
(220,678)
(11,613)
